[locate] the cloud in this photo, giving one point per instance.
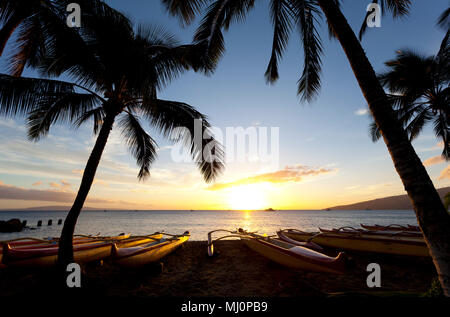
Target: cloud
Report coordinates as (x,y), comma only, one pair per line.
(438,146)
(38,183)
(62,185)
(18,193)
(79,172)
(65,183)
(445,173)
(100,182)
(361,112)
(433,160)
(288,174)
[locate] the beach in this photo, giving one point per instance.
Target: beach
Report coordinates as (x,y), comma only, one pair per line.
(236,271)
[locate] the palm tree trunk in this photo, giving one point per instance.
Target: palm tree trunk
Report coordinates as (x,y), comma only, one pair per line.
(8,29)
(65,252)
(432,217)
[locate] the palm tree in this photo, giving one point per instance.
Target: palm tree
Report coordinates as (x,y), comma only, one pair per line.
(420,92)
(36,21)
(116,74)
(303,15)
(447,201)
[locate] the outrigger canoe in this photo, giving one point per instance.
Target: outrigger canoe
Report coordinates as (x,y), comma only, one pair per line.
(392,227)
(133,257)
(359,241)
(415,234)
(34,243)
(85,250)
(309,244)
(285,253)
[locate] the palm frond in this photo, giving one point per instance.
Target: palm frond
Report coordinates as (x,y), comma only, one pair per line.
(185,10)
(28,48)
(408,74)
(62,108)
(141,145)
(220,14)
(442,59)
(415,126)
(168,116)
(90,54)
(444,19)
(21,95)
(442,131)
(11,16)
(282,26)
(374,131)
(97,114)
(163,59)
(309,83)
(398,8)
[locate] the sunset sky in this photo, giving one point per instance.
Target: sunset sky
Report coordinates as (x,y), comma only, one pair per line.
(326,156)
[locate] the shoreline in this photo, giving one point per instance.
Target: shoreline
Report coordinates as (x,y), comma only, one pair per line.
(237,272)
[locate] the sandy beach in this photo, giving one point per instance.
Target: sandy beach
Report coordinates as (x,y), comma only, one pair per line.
(235,272)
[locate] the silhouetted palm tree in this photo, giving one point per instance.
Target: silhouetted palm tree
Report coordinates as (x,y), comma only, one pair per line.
(117,73)
(303,15)
(420,92)
(37,21)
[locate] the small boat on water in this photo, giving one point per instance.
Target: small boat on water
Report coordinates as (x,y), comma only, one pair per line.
(143,254)
(392,227)
(361,241)
(285,253)
(85,249)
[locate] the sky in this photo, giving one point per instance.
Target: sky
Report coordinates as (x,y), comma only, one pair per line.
(325,154)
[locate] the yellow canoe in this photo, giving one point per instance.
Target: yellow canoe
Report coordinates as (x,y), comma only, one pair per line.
(85,250)
(358,241)
(143,254)
(294,256)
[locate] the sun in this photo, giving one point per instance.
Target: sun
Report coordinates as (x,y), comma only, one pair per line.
(246,197)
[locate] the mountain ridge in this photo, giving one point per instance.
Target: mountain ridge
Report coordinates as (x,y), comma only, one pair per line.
(398,202)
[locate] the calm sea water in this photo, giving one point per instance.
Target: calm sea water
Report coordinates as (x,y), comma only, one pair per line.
(200,222)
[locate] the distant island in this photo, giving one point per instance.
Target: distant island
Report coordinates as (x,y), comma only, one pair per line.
(49,208)
(400,202)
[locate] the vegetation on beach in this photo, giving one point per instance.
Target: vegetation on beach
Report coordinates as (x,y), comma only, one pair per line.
(420,93)
(117,71)
(303,15)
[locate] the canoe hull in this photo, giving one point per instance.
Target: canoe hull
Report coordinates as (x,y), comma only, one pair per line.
(140,256)
(42,258)
(391,228)
(385,245)
(294,260)
(86,249)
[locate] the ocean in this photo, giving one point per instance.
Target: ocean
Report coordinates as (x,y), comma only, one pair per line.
(199,223)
